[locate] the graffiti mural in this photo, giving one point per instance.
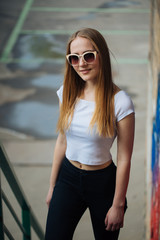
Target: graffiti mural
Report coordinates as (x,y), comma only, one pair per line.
(155,198)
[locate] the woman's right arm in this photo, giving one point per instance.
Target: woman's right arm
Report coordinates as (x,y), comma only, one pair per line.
(59,153)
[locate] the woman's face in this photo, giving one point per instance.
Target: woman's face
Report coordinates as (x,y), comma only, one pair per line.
(88,72)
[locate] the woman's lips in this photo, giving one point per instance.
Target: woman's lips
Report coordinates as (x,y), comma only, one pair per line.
(84,71)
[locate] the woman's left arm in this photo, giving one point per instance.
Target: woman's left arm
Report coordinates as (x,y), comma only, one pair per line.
(125,139)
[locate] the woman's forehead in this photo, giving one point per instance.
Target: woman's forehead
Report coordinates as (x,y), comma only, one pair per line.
(80,44)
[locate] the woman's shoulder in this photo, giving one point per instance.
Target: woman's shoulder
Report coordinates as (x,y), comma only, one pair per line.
(60,93)
(116,89)
(123,104)
(121,96)
(120,93)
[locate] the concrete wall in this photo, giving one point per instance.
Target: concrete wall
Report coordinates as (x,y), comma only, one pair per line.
(153,130)
(155,44)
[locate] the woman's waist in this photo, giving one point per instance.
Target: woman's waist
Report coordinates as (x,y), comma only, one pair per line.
(90,167)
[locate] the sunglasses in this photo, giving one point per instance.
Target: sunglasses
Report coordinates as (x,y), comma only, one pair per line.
(88,57)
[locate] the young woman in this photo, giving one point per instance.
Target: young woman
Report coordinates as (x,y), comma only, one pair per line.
(93,112)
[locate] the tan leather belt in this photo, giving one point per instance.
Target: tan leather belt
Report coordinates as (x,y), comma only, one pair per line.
(90,167)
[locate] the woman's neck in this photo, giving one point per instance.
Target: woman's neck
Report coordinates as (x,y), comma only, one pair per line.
(89,92)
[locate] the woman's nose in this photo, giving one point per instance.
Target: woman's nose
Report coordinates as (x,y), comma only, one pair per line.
(81,61)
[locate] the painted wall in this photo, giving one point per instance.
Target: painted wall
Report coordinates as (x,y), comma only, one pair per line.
(153,129)
(155,168)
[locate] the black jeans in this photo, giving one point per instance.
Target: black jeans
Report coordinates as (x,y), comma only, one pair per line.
(75,191)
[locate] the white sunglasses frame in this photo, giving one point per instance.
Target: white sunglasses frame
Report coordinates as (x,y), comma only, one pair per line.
(81,55)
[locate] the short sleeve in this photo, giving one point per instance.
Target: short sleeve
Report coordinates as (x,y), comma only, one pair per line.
(60,93)
(123,105)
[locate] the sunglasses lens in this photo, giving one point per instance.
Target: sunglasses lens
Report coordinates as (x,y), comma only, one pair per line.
(89,57)
(73,59)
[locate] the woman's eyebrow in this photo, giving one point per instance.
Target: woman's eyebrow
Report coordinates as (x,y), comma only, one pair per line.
(90,50)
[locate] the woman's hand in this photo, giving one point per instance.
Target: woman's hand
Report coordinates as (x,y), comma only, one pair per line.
(114,218)
(49,196)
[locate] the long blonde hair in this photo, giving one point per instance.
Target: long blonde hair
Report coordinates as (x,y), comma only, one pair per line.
(73,87)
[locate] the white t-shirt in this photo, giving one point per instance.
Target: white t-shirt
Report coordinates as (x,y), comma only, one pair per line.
(85,145)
